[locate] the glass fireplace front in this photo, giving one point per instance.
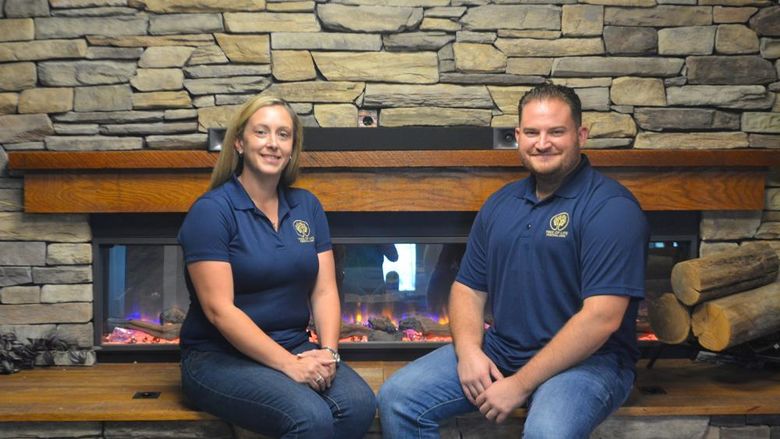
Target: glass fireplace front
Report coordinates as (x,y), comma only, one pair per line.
(394,272)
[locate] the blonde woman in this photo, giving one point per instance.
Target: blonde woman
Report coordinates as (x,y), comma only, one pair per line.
(259,265)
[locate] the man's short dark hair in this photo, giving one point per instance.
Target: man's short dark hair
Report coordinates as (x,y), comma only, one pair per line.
(553,91)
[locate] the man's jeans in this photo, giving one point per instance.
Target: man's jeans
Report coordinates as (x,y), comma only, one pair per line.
(569,405)
(264,400)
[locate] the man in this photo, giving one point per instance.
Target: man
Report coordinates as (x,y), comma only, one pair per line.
(561,255)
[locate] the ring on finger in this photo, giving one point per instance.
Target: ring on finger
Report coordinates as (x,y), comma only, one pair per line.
(319,378)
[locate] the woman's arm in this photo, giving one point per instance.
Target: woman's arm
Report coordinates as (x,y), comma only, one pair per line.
(213,281)
(326,310)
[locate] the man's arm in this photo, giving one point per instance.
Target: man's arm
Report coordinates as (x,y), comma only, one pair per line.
(467,321)
(584,333)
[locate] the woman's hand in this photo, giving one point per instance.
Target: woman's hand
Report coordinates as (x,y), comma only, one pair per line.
(325,357)
(313,369)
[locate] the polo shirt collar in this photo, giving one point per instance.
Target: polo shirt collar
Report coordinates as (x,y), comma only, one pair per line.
(570,188)
(242,201)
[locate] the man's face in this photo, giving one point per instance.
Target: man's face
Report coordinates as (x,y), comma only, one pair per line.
(549,140)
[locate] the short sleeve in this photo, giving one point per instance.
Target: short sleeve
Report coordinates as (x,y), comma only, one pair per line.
(205,234)
(473,267)
(614,250)
(322,231)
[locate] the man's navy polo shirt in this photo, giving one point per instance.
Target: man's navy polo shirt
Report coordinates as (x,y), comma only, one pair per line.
(538,261)
(273,272)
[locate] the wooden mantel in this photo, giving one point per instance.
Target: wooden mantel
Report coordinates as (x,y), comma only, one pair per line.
(169,181)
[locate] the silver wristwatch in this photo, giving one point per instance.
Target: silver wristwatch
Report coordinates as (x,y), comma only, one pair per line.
(333,353)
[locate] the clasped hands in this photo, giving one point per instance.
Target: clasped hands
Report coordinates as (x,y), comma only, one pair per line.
(315,368)
(485,387)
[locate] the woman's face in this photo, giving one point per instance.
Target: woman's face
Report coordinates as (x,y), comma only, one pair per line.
(267,141)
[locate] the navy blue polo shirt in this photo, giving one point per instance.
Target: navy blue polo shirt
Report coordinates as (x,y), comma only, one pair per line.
(538,261)
(273,272)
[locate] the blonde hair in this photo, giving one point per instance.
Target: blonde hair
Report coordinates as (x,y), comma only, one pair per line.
(229,162)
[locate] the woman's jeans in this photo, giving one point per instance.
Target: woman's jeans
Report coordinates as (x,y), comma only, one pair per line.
(264,400)
(569,405)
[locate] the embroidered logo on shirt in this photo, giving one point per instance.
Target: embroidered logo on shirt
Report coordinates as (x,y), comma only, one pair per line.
(303,231)
(558,224)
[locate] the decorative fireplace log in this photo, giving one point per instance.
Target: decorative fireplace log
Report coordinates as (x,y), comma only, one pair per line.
(738,318)
(354,330)
(669,319)
(168,331)
(710,277)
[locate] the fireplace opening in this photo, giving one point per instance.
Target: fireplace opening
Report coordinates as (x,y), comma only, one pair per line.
(394,271)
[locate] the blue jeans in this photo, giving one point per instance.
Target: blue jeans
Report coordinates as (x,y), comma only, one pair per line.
(264,400)
(569,405)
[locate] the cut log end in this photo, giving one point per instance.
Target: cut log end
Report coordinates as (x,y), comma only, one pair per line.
(684,283)
(670,320)
(711,327)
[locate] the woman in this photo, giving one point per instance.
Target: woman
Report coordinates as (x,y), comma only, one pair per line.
(259,262)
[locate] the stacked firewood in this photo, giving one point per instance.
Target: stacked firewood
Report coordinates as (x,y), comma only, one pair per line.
(721,300)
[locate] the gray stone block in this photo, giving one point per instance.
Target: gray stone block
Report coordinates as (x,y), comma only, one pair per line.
(74,27)
(767,22)
(726,70)
(75,73)
(747,432)
(170,24)
(422,40)
(729,225)
(238,84)
(659,16)
(384,19)
(103,98)
(525,17)
(652,427)
(674,119)
(62,275)
(440,95)
(168,430)
(26,8)
(223,71)
(93,12)
(187,141)
(51,227)
(735,96)
(46,314)
(93,143)
(622,40)
(149,128)
(22,253)
(24,128)
(80,335)
(15,276)
(111,116)
(594,66)
(64,430)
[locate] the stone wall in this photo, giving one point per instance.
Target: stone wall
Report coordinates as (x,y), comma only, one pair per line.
(154,74)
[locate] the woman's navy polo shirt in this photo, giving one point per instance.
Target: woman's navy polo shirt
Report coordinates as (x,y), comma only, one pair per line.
(273,272)
(539,260)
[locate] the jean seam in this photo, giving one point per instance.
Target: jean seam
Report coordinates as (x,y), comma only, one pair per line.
(249,401)
(338,408)
(419,432)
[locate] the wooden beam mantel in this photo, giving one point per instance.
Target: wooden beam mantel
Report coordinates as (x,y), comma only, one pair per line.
(169,181)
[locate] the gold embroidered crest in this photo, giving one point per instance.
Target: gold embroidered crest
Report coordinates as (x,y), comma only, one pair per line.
(558,224)
(303,231)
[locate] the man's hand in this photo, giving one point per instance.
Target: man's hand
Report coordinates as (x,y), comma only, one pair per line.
(476,372)
(497,402)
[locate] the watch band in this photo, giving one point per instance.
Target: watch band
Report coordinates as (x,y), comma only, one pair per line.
(333,353)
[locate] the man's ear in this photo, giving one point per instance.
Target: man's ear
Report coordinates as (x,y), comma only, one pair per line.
(582,135)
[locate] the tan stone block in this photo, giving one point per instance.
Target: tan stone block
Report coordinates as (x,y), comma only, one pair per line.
(735,2)
(433,116)
(292,65)
(369,18)
(291,6)
(692,40)
(103,98)
(583,82)
(50,227)
(46,100)
(772,201)
(608,124)
(8,103)
(478,58)
(199,5)
(734,39)
(536,34)
(715,140)
(211,54)
(770,48)
(437,95)
(523,17)
(68,254)
(623,3)
(17,29)
(504,121)
(165,56)
(215,117)
(646,92)
(420,68)
(659,16)
(20,294)
(17,76)
(582,20)
(157,79)
(336,115)
(246,48)
(161,99)
(317,91)
(769,230)
(66,293)
(507,98)
(263,22)
(440,24)
(67,4)
(553,48)
(151,41)
(723,225)
(50,313)
(43,50)
(723,14)
(529,66)
(764,141)
(755,122)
